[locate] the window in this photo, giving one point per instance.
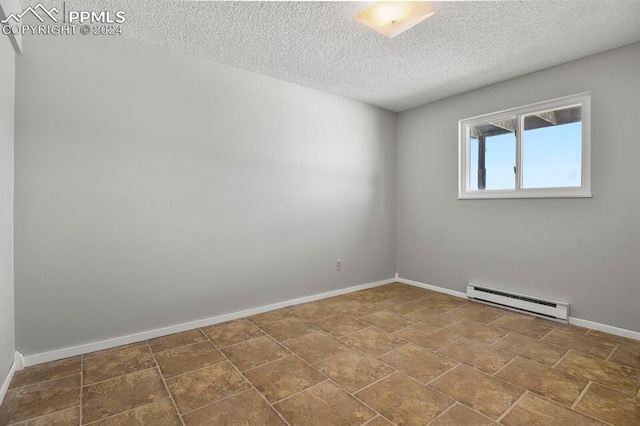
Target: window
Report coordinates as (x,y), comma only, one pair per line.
(536,151)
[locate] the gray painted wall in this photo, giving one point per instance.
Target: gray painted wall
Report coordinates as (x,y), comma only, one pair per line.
(583,251)
(154,188)
(7,79)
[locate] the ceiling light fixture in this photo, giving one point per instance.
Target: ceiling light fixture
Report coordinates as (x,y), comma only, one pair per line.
(391,18)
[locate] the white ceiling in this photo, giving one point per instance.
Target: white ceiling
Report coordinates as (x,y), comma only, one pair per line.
(465,45)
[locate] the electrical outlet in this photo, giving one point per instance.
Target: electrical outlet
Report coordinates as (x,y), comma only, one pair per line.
(338,265)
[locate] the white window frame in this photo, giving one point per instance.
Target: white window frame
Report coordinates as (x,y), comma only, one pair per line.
(464,151)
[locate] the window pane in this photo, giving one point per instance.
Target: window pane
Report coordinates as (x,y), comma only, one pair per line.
(552,149)
(492,155)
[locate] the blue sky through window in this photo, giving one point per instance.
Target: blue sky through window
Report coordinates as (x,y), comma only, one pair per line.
(551,157)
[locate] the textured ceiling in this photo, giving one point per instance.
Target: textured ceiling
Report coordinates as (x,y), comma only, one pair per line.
(465,45)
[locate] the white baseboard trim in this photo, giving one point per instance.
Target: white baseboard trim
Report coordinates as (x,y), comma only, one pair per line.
(432,287)
(15,366)
(623,332)
(18,360)
(159,332)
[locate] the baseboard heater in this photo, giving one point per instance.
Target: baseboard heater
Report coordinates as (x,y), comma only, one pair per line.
(519,302)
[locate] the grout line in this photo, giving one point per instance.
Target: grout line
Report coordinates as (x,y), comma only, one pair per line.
(436,351)
(509,362)
(118,377)
(252,386)
(512,406)
(300,391)
(178,347)
(80,414)
(353,394)
(443,413)
(124,412)
(113,350)
(353,332)
(545,335)
(436,378)
(44,381)
(164,382)
(270,362)
(561,358)
(581,394)
(377,357)
(39,416)
(239,343)
(508,334)
(575,411)
(612,351)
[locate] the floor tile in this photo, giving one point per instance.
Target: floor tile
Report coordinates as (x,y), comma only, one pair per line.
(387,321)
(271,316)
(427,336)
(404,401)
(159,413)
(601,335)
(244,409)
(488,395)
(69,417)
(112,350)
(283,378)
(315,347)
(476,331)
(353,369)
(339,325)
(124,393)
(608,373)
(542,352)
(569,339)
(368,296)
(47,371)
(374,341)
(561,325)
(324,405)
(357,309)
(475,354)
(542,380)
(399,306)
(460,415)
(379,421)
(232,332)
(434,318)
(626,355)
(522,325)
(176,340)
(533,410)
(287,329)
(114,364)
(39,399)
(184,359)
(416,295)
(612,406)
(207,385)
(418,362)
(255,352)
(440,304)
(313,311)
(478,313)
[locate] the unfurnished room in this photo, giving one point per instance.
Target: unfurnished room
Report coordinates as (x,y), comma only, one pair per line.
(336,213)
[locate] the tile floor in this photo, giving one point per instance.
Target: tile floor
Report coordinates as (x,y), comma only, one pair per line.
(395,354)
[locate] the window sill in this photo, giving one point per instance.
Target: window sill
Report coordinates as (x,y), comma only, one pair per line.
(522,194)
